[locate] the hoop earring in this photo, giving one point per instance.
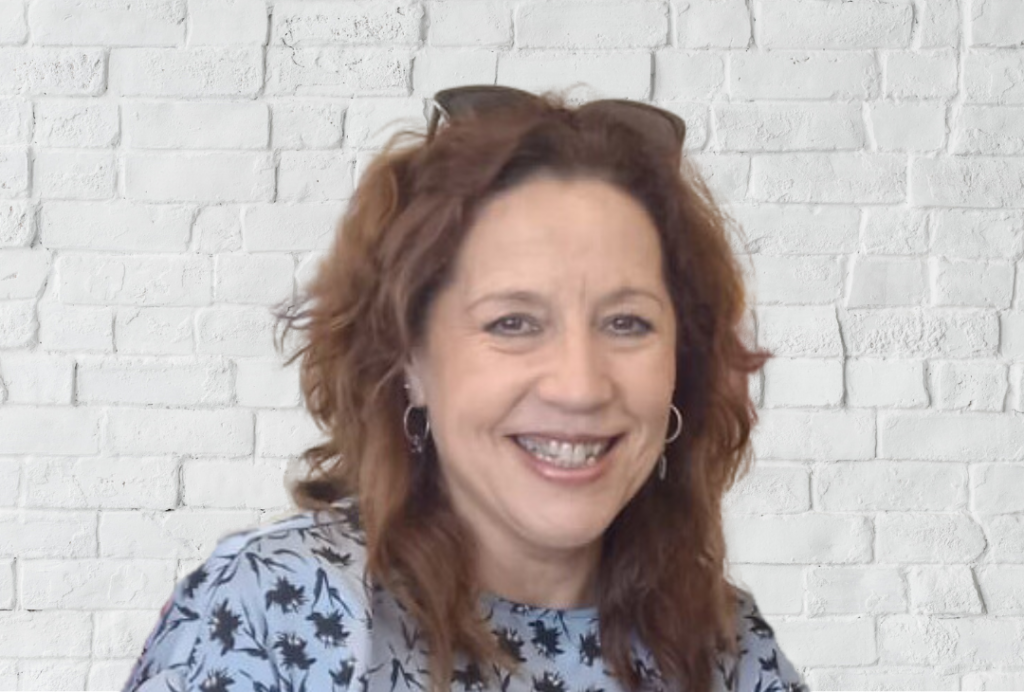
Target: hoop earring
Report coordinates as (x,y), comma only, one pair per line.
(418,441)
(662,460)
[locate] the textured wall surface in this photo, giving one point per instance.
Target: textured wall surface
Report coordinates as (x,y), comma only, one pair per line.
(171,168)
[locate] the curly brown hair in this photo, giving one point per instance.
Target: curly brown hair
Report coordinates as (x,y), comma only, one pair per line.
(662,571)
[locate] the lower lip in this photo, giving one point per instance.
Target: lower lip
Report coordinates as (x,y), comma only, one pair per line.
(559,474)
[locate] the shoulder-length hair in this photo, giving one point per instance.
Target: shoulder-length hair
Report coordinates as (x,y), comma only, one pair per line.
(662,572)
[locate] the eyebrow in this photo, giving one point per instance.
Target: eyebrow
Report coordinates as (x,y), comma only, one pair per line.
(532,298)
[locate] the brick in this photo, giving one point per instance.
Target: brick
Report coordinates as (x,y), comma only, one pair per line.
(80,175)
(904,332)
(76,123)
(908,126)
(997,23)
(698,75)
(855,591)
(813,24)
(777,588)
(15,117)
(815,435)
(995,488)
(95,584)
(789,127)
(258,484)
(314,176)
(53,71)
(828,178)
(52,674)
(369,122)
(107,22)
(881,678)
(442,68)
(792,229)
(912,537)
(886,281)
(1002,587)
(49,430)
(199,177)
(157,331)
(883,486)
(817,538)
(921,74)
(262,279)
(13,172)
(103,483)
(17,224)
(265,383)
(825,75)
(997,130)
(109,674)
(289,227)
(803,382)
(994,77)
(17,324)
(164,381)
(236,331)
(283,433)
(1017,387)
(938,23)
(995,182)
(894,231)
(13,29)
(31,534)
(770,490)
(117,226)
(828,642)
(970,234)
(969,386)
(491,22)
(9,673)
(338,71)
(134,279)
(121,633)
(966,283)
(184,534)
(195,72)
(885,384)
(307,124)
(950,437)
(624,74)
(1012,331)
(25,273)
(799,331)
(10,482)
(943,590)
(726,175)
(36,378)
(955,644)
(577,25)
(353,23)
(218,229)
(195,125)
(712,23)
(49,633)
(179,431)
(992,681)
(1005,534)
(227,22)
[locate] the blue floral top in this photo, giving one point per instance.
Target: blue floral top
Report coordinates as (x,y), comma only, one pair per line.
(287,608)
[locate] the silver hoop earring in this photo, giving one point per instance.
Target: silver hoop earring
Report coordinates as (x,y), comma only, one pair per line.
(418,441)
(679,424)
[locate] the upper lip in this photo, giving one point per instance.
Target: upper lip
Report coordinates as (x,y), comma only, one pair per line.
(563,437)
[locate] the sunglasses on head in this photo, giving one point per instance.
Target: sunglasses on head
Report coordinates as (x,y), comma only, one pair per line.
(665,130)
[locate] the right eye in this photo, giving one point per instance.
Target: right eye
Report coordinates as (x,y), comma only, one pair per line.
(513,325)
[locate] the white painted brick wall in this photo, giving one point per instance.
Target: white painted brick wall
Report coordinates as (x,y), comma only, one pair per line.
(170,170)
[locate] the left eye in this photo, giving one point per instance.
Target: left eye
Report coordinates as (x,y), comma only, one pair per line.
(629,325)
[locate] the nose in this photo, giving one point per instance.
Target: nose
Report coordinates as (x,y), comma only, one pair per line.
(576,375)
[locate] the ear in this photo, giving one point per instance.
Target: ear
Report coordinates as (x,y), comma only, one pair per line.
(414,378)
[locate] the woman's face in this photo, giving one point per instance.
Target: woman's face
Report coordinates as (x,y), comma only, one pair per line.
(548,365)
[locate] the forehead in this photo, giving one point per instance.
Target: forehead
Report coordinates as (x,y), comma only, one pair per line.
(555,230)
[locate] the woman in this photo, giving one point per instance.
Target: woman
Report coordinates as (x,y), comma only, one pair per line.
(524,351)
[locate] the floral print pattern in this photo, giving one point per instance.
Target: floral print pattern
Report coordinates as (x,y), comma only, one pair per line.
(288,608)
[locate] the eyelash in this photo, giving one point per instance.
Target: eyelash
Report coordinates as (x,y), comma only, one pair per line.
(641,326)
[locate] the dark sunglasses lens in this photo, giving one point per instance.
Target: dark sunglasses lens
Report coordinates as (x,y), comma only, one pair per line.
(665,130)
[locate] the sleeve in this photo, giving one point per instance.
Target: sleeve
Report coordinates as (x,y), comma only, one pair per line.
(761,665)
(207,638)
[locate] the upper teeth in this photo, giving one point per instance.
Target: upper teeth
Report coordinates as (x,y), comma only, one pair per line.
(564,454)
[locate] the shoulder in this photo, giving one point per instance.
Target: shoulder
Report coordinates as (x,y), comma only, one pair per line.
(760,663)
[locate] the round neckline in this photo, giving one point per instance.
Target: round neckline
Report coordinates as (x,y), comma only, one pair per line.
(505,604)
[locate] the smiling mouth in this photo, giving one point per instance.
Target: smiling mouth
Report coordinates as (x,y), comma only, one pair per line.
(566,455)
